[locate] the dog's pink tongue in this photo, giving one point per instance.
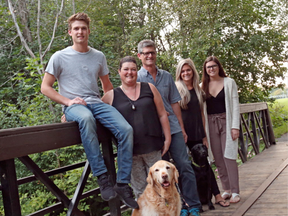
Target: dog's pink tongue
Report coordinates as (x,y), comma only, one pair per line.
(166,184)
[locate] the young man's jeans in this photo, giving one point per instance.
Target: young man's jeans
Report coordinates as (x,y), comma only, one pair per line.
(110,118)
(178,152)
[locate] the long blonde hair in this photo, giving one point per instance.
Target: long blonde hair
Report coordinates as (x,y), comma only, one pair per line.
(182,88)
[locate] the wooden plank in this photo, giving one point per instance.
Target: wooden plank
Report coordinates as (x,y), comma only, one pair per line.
(47,182)
(28,140)
(251,200)
(108,157)
(254,130)
(252,107)
(262,133)
(59,205)
(274,200)
(22,130)
(270,128)
(249,135)
(51,172)
(47,210)
(243,148)
(9,188)
(80,187)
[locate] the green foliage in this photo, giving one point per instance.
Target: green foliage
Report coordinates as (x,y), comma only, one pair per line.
(279,116)
(30,106)
(279,131)
(279,112)
(239,33)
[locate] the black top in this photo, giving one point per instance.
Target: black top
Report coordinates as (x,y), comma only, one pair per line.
(216,105)
(192,119)
(144,119)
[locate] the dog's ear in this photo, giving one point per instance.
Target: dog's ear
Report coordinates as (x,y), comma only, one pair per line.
(150,178)
(205,147)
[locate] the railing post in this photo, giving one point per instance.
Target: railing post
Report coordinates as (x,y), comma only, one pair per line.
(105,137)
(254,130)
(79,190)
(270,134)
(243,145)
(249,135)
(9,188)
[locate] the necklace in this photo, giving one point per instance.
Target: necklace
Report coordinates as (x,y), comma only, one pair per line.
(132,105)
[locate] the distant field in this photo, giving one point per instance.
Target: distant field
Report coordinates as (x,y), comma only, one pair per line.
(283,102)
(279,116)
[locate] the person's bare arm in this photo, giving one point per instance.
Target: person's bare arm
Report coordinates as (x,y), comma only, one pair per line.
(108,97)
(162,117)
(177,111)
(106,83)
(48,90)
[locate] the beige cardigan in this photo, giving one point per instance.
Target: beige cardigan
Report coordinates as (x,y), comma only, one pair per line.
(232,119)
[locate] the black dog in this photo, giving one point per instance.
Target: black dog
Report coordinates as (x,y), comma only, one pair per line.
(203,173)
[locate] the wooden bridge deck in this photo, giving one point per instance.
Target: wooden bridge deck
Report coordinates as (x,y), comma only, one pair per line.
(263,185)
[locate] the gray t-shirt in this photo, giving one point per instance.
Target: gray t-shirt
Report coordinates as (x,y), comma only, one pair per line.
(77,73)
(167,89)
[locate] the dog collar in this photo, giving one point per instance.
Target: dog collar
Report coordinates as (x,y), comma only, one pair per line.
(197,164)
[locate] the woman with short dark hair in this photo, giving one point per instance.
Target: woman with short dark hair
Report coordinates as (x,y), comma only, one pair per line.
(141,105)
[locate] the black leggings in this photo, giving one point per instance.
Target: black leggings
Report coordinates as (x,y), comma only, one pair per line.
(214,186)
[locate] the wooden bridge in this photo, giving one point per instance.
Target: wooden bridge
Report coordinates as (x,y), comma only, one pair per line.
(263,185)
(259,176)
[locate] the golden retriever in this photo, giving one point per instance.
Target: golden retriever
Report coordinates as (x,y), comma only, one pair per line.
(160,197)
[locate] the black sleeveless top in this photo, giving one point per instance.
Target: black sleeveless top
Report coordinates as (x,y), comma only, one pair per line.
(216,105)
(192,119)
(144,119)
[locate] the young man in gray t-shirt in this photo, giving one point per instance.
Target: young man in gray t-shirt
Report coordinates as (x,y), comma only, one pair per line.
(77,69)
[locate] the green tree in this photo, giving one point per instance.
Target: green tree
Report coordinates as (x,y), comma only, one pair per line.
(247,36)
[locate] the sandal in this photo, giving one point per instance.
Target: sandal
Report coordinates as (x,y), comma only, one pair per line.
(222,203)
(226,195)
(235,198)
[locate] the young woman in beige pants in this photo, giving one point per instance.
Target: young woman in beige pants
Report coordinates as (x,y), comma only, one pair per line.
(224,122)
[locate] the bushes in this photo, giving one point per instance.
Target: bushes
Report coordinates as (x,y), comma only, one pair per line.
(279,116)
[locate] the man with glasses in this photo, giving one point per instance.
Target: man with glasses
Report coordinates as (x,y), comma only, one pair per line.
(164,82)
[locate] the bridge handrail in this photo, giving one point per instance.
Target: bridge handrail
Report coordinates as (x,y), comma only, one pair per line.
(255,126)
(21,142)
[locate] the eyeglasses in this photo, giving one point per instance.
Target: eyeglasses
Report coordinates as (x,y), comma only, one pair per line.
(148,53)
(212,66)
